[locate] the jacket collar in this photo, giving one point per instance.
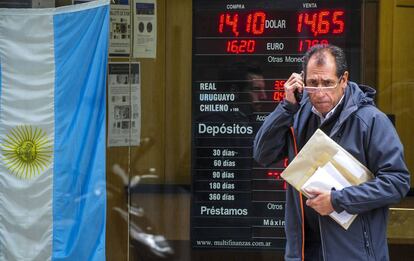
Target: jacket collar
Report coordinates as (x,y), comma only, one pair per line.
(355,97)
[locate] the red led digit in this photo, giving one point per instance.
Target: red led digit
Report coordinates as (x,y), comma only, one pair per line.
(338,20)
(235,46)
(259,19)
(221,23)
(311,22)
(300,49)
(231,46)
(242,46)
(323,23)
(251,45)
(249,23)
(300,20)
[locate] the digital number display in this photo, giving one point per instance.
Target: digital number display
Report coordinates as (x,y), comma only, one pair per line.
(322,22)
(243,54)
(254,24)
(279,91)
(241,46)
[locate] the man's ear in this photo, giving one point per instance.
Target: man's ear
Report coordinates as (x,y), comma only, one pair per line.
(345,78)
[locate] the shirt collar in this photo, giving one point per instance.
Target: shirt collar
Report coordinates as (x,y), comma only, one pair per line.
(330,113)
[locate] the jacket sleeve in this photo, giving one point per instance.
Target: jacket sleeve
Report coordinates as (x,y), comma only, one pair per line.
(270,142)
(385,158)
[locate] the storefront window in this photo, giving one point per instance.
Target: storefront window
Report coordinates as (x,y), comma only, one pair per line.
(190,82)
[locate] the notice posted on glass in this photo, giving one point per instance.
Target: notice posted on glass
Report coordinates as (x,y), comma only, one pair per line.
(145,29)
(120,29)
(124,104)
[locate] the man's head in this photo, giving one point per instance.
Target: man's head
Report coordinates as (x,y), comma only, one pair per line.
(325,67)
(255,85)
(257,90)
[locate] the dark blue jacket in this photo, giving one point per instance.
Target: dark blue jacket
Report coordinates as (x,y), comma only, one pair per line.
(370,137)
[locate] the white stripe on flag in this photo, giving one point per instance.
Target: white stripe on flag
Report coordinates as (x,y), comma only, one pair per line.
(26,175)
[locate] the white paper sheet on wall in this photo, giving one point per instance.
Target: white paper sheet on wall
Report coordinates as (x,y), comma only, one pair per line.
(145,29)
(124,104)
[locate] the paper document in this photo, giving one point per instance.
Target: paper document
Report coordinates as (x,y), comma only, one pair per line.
(347,163)
(325,178)
(324,164)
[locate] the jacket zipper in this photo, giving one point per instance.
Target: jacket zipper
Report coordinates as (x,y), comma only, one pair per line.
(366,237)
(300,201)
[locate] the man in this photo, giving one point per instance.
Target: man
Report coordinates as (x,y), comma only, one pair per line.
(257,89)
(345,111)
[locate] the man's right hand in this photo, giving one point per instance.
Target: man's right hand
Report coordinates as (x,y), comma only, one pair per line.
(295,82)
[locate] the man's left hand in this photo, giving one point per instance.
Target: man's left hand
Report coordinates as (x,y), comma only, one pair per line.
(320,201)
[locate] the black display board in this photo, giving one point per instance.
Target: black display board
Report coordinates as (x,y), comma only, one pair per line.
(243,52)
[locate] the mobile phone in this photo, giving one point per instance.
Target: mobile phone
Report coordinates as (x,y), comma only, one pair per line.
(298,95)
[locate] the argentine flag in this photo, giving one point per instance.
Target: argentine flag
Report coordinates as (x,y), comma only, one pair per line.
(52,132)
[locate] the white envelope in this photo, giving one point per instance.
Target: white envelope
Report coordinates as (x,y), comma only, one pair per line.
(325,178)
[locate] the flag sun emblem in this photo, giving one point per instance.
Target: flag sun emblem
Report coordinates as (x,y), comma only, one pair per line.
(27,151)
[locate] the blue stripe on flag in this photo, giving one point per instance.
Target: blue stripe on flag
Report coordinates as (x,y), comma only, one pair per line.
(1,84)
(79,193)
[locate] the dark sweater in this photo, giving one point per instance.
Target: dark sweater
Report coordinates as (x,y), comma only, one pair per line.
(313,247)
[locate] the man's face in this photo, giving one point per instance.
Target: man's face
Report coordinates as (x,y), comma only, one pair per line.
(324,75)
(258,92)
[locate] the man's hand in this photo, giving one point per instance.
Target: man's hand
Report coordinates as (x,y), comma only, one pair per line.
(320,201)
(295,82)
